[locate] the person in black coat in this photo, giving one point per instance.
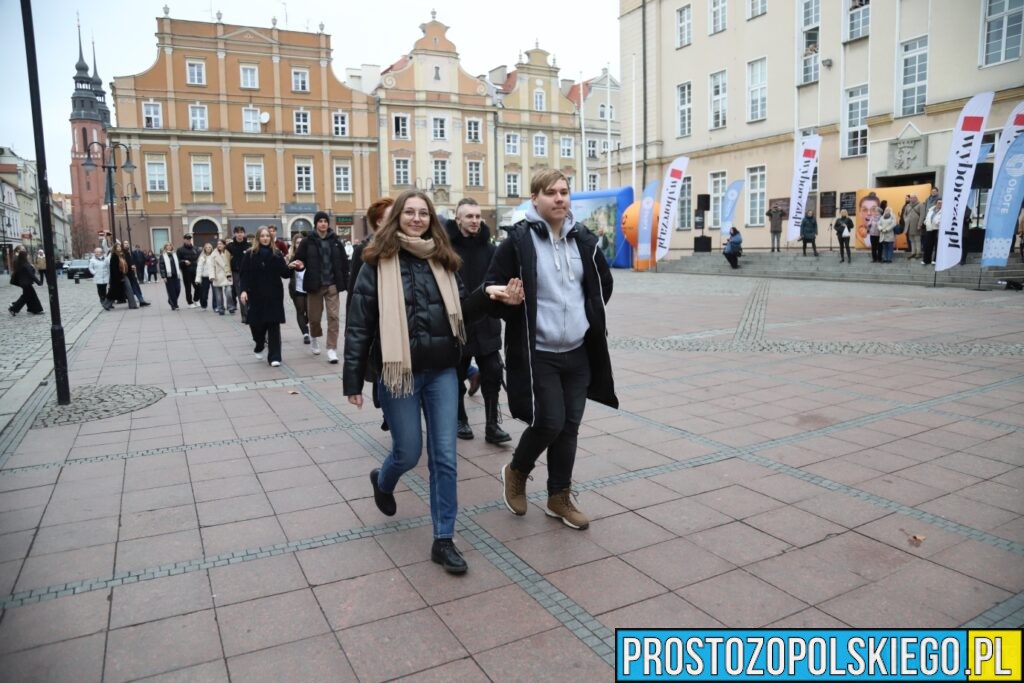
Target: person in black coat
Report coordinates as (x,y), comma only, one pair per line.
(119,287)
(25,276)
(237,248)
(470,238)
(322,258)
(406,326)
(844,230)
(556,348)
(263,272)
(170,271)
(188,256)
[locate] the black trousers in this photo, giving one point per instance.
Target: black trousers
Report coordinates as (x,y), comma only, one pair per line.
(188,281)
(203,291)
(28,298)
(102,291)
(301,314)
(490,377)
(929,242)
(236,288)
(267,335)
(732,259)
(876,248)
(173,286)
(844,245)
(810,241)
(560,382)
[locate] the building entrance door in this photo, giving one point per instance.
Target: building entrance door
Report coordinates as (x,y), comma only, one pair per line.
(203,232)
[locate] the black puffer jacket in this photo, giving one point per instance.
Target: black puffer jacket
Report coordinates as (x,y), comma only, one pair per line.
(262,274)
(517,257)
(309,253)
(432,345)
(476,253)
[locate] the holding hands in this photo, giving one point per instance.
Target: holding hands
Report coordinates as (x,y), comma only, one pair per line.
(511,294)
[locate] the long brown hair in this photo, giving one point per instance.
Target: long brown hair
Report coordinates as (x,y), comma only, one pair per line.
(118,251)
(256,242)
(385,242)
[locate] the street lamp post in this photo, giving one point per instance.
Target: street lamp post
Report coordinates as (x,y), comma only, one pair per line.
(5,226)
(108,159)
(124,198)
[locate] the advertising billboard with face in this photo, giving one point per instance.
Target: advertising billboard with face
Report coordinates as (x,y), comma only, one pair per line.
(869,203)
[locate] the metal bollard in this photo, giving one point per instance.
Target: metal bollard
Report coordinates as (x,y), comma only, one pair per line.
(78,278)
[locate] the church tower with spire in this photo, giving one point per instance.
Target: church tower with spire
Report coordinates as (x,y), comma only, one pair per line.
(90,118)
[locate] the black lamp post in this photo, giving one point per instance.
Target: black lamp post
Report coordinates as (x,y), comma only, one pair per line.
(124,198)
(108,159)
(3,240)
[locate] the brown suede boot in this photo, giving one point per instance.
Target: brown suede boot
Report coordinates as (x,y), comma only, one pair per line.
(513,485)
(561,505)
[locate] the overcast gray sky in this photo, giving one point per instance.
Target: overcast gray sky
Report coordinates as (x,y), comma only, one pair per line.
(583,36)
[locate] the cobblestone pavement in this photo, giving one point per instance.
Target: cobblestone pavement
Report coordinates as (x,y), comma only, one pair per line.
(25,339)
(786,454)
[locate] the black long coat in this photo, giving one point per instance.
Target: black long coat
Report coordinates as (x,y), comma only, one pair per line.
(115,288)
(263,274)
(476,252)
(517,257)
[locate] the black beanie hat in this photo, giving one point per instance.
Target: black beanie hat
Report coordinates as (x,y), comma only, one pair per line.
(319,215)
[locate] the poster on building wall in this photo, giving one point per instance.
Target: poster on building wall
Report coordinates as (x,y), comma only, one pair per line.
(848,201)
(870,199)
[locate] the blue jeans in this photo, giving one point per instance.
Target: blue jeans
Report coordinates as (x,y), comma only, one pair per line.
(887,248)
(435,394)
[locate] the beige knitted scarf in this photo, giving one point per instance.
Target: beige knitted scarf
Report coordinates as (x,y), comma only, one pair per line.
(394,327)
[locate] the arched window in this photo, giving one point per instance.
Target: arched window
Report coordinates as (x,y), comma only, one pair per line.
(602,113)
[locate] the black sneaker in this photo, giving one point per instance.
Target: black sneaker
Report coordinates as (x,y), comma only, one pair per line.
(444,553)
(385,501)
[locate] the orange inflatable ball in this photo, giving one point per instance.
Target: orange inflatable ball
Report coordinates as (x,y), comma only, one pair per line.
(630,220)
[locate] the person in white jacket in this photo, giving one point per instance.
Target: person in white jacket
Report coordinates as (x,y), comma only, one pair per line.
(221,280)
(887,234)
(204,274)
(99,266)
(930,236)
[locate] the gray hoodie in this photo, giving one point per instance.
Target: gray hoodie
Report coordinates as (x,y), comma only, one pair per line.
(561,316)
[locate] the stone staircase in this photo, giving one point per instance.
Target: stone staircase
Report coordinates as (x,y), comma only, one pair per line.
(792,264)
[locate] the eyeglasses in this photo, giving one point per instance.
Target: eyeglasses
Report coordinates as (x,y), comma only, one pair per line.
(413,213)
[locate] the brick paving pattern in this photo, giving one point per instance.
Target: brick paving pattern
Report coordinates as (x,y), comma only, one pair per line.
(787,454)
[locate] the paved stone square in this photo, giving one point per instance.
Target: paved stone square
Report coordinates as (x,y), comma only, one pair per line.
(786,454)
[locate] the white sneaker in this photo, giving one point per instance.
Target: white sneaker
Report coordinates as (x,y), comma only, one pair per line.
(275,363)
(314,346)
(259,356)
(332,356)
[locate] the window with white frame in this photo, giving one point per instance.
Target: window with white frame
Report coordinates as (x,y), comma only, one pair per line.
(1003,19)
(602,112)
(339,124)
(195,72)
(856,121)
(439,128)
(473,128)
(684,26)
(757,89)
(300,80)
(249,76)
(716,181)
(152,115)
(684,109)
(251,120)
(254,175)
(301,119)
(156,174)
(757,196)
(914,90)
(475,173)
(197,117)
(605,145)
(591,149)
(202,174)
(539,100)
(718,93)
(716,15)
(756,8)
(440,171)
(511,184)
(858,19)
(685,204)
(540,145)
(811,21)
(400,126)
(401,171)
(342,177)
(592,182)
(567,147)
(611,111)
(511,143)
(304,175)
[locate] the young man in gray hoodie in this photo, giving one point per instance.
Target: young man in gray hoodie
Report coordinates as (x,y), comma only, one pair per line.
(556,345)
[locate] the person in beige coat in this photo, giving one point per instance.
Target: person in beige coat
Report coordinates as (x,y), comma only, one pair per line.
(913,215)
(887,233)
(220,280)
